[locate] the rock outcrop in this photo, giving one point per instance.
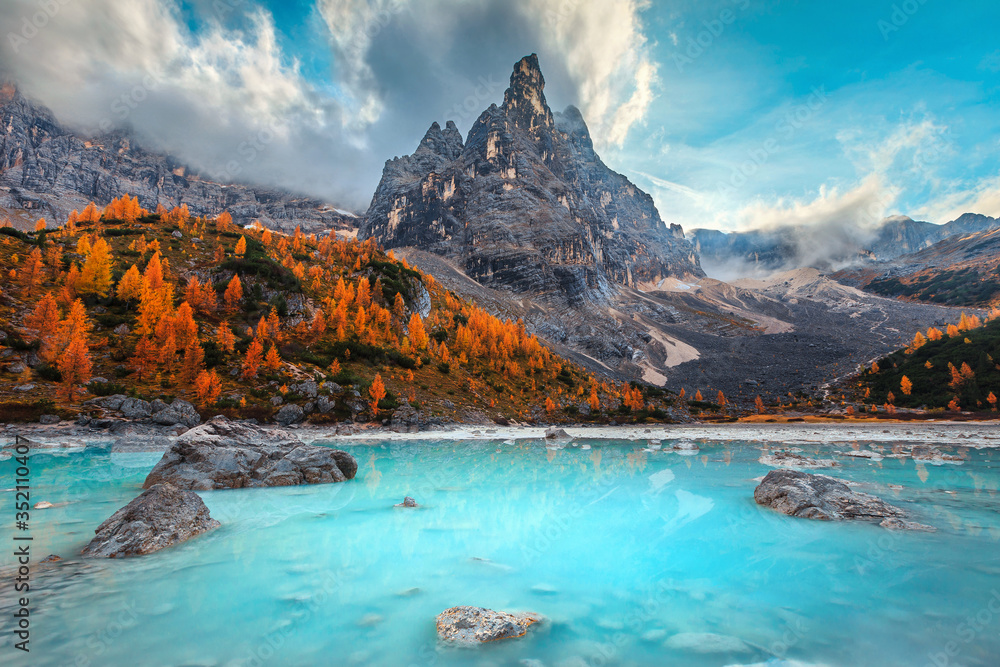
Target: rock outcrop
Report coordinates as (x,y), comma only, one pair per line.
(223,454)
(160,517)
(47,171)
(526,204)
(809,496)
(475,625)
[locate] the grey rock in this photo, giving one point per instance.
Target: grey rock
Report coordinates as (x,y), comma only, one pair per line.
(160,517)
(135,408)
(113,403)
(795,461)
(325,405)
(179,412)
(16,368)
(407,502)
(309,389)
(476,625)
(32,359)
(98,380)
(177,234)
(121,330)
(290,414)
(49,419)
(553,433)
(24,387)
(344,429)
(810,496)
(158,405)
(333,388)
(222,454)
(277,400)
(309,407)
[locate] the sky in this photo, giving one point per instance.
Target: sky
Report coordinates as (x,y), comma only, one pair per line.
(733,114)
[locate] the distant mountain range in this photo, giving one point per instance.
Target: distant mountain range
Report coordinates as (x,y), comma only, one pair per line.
(825,248)
(46,171)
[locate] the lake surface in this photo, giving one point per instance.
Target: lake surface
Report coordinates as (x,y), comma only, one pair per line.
(634,557)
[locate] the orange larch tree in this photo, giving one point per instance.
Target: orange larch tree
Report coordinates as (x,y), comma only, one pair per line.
(272,362)
(376,392)
(252,360)
(233,295)
(74,366)
(208,387)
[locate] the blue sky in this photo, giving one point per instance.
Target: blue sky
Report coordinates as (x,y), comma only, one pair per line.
(731,113)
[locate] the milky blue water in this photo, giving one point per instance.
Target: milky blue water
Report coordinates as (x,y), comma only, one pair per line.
(634,558)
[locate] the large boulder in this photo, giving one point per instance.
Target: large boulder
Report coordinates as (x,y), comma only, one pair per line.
(135,408)
(475,625)
(223,454)
(810,496)
(290,414)
(178,412)
(159,518)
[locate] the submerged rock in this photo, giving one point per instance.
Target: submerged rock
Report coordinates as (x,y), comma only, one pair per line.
(928,454)
(825,498)
(159,518)
(789,460)
(707,642)
(222,454)
(475,625)
(553,433)
(407,502)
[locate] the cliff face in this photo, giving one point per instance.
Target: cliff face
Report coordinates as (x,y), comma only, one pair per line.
(526,205)
(46,171)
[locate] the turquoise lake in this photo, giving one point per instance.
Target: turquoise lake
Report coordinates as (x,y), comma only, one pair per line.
(634,558)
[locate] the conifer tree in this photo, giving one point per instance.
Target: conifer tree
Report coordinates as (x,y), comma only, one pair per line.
(208,387)
(74,366)
(272,362)
(130,286)
(376,392)
(252,360)
(233,295)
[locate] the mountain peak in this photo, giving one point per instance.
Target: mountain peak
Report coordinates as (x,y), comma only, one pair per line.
(524,102)
(447,143)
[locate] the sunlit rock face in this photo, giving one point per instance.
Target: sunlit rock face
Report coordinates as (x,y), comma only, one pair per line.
(526,204)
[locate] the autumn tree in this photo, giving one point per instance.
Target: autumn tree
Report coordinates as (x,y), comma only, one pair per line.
(906,386)
(41,325)
(272,362)
(225,339)
(253,360)
(194,361)
(208,387)
(233,295)
(95,276)
(144,358)
(417,333)
(721,399)
(550,405)
(594,402)
(377,393)
(241,247)
(759,405)
(33,272)
(992,400)
(74,366)
(130,286)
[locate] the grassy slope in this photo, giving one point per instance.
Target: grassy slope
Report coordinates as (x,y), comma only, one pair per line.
(931,385)
(444,390)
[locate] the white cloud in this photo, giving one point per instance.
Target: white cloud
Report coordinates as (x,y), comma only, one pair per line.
(982,198)
(605,51)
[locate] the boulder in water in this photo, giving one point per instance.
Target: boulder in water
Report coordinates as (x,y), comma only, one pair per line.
(810,496)
(475,625)
(407,502)
(160,517)
(223,454)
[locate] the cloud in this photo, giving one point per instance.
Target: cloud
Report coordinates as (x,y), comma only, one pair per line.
(982,198)
(605,51)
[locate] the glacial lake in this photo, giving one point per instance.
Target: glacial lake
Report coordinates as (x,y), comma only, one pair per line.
(633,557)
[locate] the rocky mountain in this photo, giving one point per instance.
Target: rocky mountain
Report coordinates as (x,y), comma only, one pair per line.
(525,204)
(829,248)
(961,270)
(523,217)
(46,171)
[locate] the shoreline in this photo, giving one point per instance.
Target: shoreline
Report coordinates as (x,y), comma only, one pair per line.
(977,435)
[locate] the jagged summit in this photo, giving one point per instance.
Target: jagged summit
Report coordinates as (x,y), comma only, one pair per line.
(524,102)
(526,204)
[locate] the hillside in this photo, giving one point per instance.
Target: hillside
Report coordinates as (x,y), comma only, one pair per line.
(47,170)
(246,322)
(963,270)
(951,369)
